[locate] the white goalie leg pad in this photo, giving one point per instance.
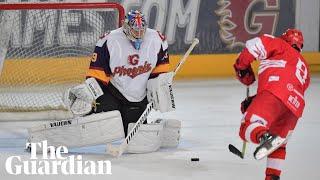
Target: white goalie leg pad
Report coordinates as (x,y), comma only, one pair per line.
(147,139)
(159,91)
(93,129)
(171,132)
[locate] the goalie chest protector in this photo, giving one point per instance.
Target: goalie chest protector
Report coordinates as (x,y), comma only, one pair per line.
(131,68)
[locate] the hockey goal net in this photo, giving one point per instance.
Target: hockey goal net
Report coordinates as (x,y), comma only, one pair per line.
(45,48)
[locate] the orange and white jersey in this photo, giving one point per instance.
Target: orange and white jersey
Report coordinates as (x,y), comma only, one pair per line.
(115,60)
(282,70)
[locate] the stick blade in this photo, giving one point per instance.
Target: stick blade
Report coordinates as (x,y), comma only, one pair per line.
(235,151)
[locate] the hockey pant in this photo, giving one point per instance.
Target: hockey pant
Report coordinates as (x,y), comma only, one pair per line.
(112,99)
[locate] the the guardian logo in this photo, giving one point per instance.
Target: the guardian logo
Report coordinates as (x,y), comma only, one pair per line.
(53,162)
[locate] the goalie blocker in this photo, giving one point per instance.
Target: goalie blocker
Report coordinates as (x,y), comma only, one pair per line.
(159,92)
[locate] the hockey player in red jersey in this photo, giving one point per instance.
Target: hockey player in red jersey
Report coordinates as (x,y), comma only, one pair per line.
(271,115)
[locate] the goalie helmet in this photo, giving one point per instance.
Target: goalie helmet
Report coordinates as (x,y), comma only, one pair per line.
(134,27)
(294,37)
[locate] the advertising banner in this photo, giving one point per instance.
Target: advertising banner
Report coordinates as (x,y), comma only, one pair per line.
(222,26)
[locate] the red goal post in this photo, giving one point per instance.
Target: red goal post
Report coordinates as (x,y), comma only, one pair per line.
(45,48)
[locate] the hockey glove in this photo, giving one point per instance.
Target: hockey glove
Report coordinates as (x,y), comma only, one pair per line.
(246,103)
(245,76)
(79,99)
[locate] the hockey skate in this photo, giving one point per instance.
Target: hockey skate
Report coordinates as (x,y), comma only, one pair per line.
(268,144)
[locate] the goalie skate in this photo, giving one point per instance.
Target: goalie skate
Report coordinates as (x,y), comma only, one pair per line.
(268,144)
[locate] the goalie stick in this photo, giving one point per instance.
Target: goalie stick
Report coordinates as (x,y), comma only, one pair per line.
(235,150)
(117,151)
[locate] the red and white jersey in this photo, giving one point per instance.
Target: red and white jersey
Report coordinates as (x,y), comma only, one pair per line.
(282,70)
(115,60)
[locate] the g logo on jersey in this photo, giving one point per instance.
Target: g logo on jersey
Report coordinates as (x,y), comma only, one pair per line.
(240,24)
(133,59)
(135,71)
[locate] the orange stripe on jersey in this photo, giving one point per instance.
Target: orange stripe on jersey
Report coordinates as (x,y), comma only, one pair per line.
(98,74)
(161,68)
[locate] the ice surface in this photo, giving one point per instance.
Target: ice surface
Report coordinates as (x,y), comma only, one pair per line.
(210,115)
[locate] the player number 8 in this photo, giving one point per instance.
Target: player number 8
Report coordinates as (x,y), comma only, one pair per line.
(301,71)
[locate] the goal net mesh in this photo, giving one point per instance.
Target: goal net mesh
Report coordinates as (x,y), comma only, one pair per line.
(45,51)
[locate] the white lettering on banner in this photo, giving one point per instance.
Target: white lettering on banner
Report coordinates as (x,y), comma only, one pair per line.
(6,23)
(16,31)
(39,20)
(54,162)
(180,16)
(161,6)
(68,19)
(95,21)
(23,31)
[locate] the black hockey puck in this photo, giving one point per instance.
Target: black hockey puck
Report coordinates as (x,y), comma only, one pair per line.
(195,159)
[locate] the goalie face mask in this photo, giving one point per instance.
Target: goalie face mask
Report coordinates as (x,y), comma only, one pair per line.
(134,27)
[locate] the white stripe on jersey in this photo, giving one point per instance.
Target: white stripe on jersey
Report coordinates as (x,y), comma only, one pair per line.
(265,64)
(256,48)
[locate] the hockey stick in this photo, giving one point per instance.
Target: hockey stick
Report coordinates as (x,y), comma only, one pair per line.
(235,150)
(118,150)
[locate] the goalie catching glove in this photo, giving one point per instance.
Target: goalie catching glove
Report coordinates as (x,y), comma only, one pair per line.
(159,92)
(79,99)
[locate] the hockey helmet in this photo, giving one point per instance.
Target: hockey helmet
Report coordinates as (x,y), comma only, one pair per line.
(134,27)
(294,37)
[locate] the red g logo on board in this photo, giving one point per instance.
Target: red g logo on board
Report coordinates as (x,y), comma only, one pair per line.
(240,21)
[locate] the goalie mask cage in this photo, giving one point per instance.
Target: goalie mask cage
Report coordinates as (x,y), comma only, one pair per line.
(45,48)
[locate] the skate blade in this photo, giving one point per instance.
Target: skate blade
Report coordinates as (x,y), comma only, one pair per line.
(263,152)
